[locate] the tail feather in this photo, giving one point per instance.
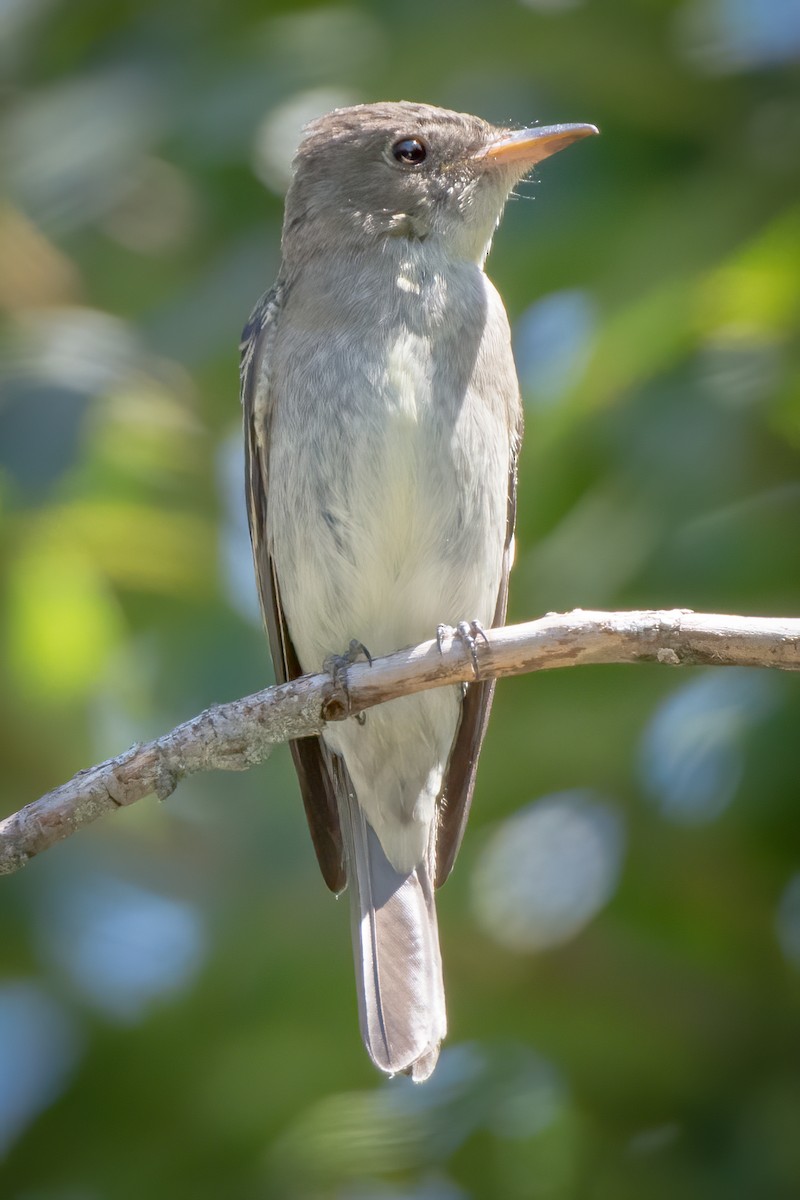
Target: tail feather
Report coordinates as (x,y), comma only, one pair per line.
(396,950)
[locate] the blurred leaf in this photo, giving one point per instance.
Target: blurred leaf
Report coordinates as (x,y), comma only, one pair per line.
(63,622)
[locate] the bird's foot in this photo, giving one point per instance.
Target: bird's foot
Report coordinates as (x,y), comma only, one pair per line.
(336,665)
(468,633)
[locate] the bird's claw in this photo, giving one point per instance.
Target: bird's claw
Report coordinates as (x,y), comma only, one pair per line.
(336,665)
(468,633)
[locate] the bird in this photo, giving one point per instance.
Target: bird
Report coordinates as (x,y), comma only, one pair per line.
(382,427)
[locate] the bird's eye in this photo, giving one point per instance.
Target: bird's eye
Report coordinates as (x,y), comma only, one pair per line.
(410,151)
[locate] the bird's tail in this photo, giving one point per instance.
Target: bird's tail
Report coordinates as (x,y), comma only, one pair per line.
(396,948)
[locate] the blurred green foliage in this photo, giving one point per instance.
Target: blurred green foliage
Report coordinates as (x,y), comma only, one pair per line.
(177,1012)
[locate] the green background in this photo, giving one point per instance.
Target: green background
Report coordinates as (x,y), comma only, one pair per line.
(622,933)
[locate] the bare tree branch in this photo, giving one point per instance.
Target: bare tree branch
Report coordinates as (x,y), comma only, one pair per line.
(237,735)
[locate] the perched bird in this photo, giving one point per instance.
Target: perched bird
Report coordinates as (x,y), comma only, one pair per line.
(382,425)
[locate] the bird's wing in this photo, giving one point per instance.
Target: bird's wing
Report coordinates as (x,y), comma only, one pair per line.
(459,780)
(312,759)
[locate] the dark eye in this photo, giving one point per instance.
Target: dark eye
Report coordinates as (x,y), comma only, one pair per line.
(410,151)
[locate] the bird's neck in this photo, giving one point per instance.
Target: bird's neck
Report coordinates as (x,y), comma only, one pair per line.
(396,277)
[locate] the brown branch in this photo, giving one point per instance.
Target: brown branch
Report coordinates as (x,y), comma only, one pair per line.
(235,736)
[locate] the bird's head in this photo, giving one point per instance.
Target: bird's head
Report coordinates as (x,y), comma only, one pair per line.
(376,172)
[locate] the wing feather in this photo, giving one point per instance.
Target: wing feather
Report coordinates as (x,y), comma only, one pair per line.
(313,761)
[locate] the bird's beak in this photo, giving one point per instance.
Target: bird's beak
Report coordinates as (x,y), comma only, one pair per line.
(530,146)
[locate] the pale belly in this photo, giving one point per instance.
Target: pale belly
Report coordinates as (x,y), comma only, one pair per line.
(406,533)
(379,535)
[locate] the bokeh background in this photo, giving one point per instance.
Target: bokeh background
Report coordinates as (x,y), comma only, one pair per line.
(622,932)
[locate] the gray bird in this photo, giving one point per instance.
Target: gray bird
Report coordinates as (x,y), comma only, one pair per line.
(382,424)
